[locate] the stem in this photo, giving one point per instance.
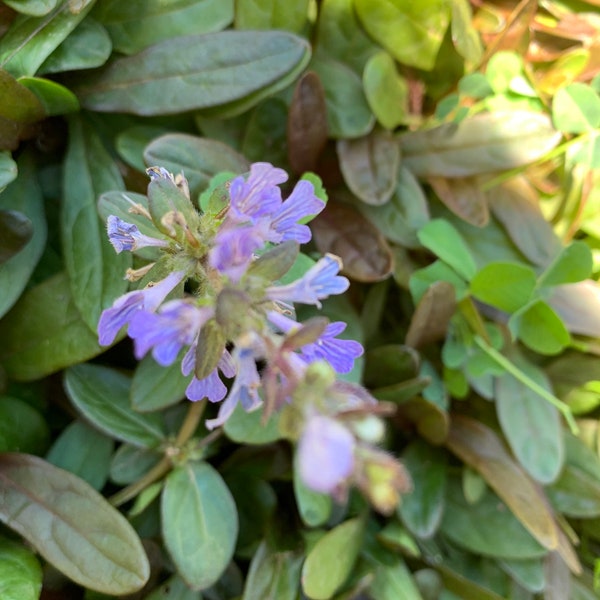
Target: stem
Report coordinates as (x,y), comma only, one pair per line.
(188,427)
(530,383)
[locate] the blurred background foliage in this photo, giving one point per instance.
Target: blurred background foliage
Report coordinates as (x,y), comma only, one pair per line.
(459,145)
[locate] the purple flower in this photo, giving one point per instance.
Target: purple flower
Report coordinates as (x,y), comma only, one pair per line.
(234,249)
(325,454)
(319,282)
(211,386)
(167,332)
(258,195)
(127,306)
(245,387)
(126,236)
(301,203)
(340,354)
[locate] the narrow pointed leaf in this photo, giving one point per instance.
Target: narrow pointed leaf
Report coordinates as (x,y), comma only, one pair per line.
(71,525)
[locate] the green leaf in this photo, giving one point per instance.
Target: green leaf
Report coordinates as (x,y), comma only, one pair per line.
(22,195)
(84,452)
(20,572)
(88,46)
(154,387)
(370,166)
(174,588)
(573,264)
(266,136)
(340,35)
(507,286)
(30,40)
(133,28)
(71,525)
(273,575)
(129,463)
(22,428)
(421,280)
(330,562)
(348,114)
(44,332)
(422,509)
(531,425)
(412,33)
(405,213)
(576,108)
(32,7)
(528,573)
(119,204)
(386,90)
(96,272)
(199,159)
(248,427)
(539,327)
(55,98)
(464,35)
(179,74)
(102,396)
(8,169)
(394,582)
(199,523)
(483,143)
(314,508)
(445,241)
(587,153)
(487,528)
(15,232)
(271,14)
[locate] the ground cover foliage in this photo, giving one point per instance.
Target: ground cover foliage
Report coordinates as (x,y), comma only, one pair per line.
(456,146)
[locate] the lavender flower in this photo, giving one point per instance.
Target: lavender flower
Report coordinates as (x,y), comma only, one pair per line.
(319,282)
(126,236)
(211,387)
(325,454)
(177,325)
(127,306)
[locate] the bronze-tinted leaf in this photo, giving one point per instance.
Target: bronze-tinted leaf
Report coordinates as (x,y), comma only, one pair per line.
(370,166)
(464,197)
(342,230)
(482,449)
(307,123)
(431,421)
(432,315)
(515,204)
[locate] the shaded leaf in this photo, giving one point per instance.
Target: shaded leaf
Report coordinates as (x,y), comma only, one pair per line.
(71,525)
(528,573)
(405,213)
(370,166)
(199,523)
(464,197)
(32,7)
(573,264)
(348,114)
(248,427)
(44,332)
(15,232)
(174,588)
(394,582)
(531,425)
(55,98)
(343,231)
(133,28)
(20,572)
(422,509)
(330,562)
(429,322)
(578,305)
(306,123)
(265,136)
(22,428)
(199,159)
(83,451)
(481,448)
(429,419)
(129,463)
(483,143)
(102,396)
(90,260)
(386,91)
(8,169)
(159,81)
(271,14)
(411,33)
(30,40)
(88,46)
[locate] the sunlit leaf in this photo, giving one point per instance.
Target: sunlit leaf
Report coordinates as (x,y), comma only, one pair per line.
(576,108)
(20,572)
(271,14)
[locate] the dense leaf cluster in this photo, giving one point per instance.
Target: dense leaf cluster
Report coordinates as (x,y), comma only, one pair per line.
(457,146)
